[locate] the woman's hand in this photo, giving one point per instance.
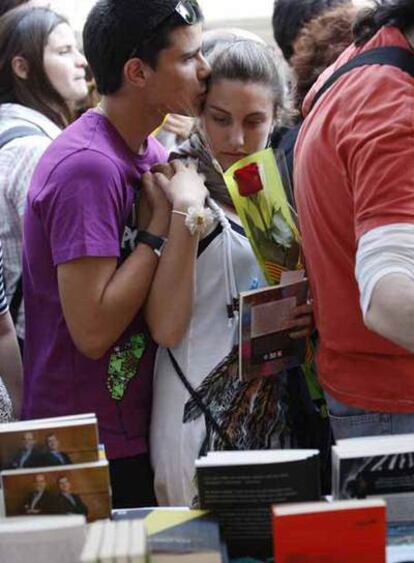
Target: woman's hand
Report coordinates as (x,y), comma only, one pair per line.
(302,321)
(182,185)
(179,125)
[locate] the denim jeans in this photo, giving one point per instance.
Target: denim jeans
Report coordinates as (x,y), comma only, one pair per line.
(350,422)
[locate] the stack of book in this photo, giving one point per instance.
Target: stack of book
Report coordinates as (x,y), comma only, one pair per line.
(179,535)
(122,541)
(377,466)
(240,487)
(41,539)
(53,466)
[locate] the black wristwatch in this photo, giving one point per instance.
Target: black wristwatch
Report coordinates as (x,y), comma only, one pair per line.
(153,241)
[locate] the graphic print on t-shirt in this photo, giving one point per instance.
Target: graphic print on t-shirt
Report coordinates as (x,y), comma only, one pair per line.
(125,358)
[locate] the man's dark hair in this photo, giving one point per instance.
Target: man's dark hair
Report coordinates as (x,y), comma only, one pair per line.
(116,30)
(289,16)
(7,5)
(398,13)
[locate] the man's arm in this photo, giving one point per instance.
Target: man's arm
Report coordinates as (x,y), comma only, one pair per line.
(385,273)
(10,362)
(391,310)
(99,300)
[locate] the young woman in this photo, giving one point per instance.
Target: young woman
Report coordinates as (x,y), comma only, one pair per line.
(42,74)
(244,99)
(10,362)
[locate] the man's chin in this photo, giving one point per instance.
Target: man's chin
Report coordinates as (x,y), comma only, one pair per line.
(190,108)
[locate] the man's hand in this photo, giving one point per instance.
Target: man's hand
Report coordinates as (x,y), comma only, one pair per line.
(155,209)
(302,321)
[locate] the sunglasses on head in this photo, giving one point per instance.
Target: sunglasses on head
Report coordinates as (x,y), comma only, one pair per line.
(188,10)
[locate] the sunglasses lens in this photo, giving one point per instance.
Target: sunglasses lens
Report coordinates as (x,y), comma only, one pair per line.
(189,11)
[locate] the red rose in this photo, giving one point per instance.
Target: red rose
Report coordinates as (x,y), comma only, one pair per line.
(248,180)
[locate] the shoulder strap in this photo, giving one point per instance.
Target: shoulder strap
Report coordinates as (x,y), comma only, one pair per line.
(16,300)
(200,403)
(5,138)
(392,56)
(18,132)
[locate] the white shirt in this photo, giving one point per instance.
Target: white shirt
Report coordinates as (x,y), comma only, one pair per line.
(382,251)
(3,300)
(18,160)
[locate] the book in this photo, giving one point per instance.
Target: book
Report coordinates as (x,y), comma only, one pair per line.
(240,487)
(178,535)
(376,466)
(122,541)
(265,325)
(49,442)
(40,539)
(69,489)
(93,542)
(330,532)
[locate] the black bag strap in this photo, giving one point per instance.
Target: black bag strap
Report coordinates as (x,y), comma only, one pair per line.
(392,56)
(5,138)
(200,403)
(16,300)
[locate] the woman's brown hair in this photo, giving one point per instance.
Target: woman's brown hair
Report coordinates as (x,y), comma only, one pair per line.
(24,32)
(318,45)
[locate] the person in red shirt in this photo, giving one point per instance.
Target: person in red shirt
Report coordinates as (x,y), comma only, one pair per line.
(354,179)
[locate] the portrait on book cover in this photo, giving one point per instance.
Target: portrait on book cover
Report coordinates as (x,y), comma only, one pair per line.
(45,447)
(82,489)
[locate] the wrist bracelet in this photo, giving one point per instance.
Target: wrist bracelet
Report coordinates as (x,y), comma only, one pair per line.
(197,219)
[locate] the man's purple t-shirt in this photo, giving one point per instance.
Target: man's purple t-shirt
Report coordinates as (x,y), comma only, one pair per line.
(80,204)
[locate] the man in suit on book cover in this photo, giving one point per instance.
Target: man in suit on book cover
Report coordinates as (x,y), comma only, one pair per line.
(68,502)
(28,455)
(40,500)
(53,455)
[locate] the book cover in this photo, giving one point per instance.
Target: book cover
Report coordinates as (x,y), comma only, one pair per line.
(265,325)
(337,532)
(70,489)
(380,466)
(48,442)
(41,540)
(178,534)
(241,490)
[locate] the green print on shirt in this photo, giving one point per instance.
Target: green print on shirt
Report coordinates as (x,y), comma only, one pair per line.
(123,365)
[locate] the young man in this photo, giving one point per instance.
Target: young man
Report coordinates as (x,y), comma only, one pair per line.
(354,184)
(87,272)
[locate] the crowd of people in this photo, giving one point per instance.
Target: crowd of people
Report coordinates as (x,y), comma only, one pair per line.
(123,258)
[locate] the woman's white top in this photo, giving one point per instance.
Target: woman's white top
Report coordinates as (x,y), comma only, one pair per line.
(225,266)
(18,160)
